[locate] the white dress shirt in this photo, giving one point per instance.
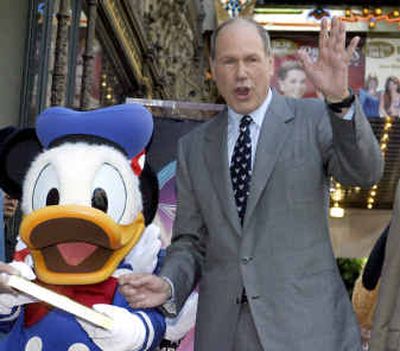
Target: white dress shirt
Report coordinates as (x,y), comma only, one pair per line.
(234,122)
(258,116)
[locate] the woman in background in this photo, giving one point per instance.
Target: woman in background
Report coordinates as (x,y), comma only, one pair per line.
(292,79)
(389,102)
(369,97)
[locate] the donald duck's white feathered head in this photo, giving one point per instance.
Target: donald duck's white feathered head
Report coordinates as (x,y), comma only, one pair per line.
(81,183)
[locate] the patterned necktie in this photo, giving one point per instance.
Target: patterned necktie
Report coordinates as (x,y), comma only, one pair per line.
(241,166)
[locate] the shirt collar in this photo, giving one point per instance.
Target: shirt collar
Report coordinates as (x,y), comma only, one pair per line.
(257,115)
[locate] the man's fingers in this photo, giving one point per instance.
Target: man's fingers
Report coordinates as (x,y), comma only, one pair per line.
(340,36)
(140,301)
(142,281)
(147,301)
(323,34)
(130,278)
(352,47)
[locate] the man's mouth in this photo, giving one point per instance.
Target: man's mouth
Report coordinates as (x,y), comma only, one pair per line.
(242,92)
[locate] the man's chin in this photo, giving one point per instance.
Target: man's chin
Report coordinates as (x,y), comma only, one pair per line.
(244,108)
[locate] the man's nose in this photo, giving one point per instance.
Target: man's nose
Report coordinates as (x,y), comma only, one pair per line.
(241,71)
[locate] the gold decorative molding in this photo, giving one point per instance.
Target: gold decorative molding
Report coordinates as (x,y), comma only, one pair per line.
(223,15)
(125,35)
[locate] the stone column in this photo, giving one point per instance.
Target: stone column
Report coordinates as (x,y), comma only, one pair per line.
(58,86)
(88,56)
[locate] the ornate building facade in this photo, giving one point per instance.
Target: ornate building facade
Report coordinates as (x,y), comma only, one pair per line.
(90,53)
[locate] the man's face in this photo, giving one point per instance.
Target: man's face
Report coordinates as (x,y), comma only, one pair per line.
(241,68)
(294,84)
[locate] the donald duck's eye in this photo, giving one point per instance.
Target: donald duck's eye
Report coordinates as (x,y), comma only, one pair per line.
(99,200)
(45,190)
(53,197)
(109,192)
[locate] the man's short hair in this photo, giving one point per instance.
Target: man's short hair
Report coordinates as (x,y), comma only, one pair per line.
(261,31)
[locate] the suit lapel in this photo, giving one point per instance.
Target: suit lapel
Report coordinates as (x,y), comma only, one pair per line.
(216,156)
(273,134)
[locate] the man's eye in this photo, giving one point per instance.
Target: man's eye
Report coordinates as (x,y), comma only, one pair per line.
(252,59)
(228,62)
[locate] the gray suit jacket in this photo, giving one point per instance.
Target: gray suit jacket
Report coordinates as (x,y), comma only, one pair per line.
(386,327)
(282,255)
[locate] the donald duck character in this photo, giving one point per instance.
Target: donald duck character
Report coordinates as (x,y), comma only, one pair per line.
(87,214)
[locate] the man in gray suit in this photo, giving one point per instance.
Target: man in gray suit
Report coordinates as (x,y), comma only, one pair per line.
(256,238)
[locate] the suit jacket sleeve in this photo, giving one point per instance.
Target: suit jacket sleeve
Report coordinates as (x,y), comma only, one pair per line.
(352,154)
(184,260)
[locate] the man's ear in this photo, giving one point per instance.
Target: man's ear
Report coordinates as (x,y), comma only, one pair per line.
(271,64)
(212,66)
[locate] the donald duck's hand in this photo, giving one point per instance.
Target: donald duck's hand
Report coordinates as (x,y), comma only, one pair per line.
(179,326)
(143,257)
(127,334)
(10,298)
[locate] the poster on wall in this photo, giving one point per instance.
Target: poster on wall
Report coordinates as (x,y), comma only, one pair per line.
(289,78)
(380,95)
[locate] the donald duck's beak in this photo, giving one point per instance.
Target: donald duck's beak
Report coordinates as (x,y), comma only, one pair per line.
(73,245)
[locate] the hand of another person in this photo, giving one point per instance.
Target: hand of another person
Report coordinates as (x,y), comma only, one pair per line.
(9,206)
(143,290)
(128,332)
(329,73)
(9,298)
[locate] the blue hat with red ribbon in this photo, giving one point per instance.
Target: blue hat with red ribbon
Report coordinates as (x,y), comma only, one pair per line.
(127,126)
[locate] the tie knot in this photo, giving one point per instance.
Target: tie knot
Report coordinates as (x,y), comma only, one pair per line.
(245,121)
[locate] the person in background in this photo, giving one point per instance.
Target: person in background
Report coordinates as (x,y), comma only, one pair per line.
(12,218)
(292,79)
(386,323)
(251,226)
(369,97)
(11,213)
(389,102)
(366,288)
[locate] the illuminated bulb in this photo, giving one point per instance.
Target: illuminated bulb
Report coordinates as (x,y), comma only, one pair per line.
(396,13)
(378,11)
(383,146)
(385,136)
(336,211)
(357,189)
(108,97)
(373,193)
(347,13)
(365,11)
(337,195)
(369,206)
(372,24)
(375,187)
(371,200)
(338,185)
(104,84)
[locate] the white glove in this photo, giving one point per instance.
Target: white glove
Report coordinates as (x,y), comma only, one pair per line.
(7,300)
(178,327)
(127,334)
(144,255)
